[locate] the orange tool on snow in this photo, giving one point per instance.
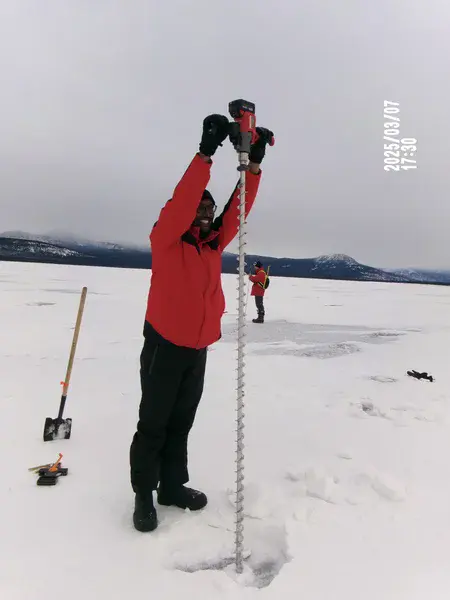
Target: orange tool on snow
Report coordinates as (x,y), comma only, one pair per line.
(48,474)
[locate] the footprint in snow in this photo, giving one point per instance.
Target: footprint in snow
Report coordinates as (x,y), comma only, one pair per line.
(370,409)
(367,407)
(41,303)
(355,487)
(316,484)
(382,379)
(383,485)
(344,455)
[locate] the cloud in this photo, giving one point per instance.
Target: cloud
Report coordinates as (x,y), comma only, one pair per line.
(102,104)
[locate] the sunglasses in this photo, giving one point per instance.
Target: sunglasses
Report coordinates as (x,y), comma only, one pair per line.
(206,209)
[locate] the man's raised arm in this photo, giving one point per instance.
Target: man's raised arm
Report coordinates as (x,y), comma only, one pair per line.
(228,222)
(179,212)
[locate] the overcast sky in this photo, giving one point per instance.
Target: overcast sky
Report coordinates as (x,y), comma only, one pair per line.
(102,102)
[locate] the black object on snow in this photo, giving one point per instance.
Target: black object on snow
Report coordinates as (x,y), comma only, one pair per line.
(418,375)
(48,475)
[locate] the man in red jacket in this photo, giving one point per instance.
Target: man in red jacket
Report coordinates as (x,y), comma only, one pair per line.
(258,290)
(183,317)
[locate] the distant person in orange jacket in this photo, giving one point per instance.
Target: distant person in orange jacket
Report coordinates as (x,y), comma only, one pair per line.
(183,317)
(259,280)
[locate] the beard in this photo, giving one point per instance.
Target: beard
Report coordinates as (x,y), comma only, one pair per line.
(204,224)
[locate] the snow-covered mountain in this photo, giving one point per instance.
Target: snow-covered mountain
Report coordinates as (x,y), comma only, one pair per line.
(330,266)
(423,275)
(49,248)
(22,247)
(342,264)
(63,239)
(57,247)
(331,259)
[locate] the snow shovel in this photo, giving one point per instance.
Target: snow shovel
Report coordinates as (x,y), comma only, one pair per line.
(60,428)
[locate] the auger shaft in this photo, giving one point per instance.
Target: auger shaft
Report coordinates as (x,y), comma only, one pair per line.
(242,135)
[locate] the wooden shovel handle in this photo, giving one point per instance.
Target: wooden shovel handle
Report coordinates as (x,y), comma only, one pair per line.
(74,341)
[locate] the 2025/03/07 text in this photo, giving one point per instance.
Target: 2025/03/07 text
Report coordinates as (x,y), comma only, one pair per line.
(396,152)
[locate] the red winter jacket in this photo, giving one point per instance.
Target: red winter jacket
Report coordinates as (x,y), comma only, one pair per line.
(258,280)
(186,301)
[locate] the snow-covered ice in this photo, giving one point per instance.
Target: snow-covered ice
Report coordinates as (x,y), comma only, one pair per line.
(346,457)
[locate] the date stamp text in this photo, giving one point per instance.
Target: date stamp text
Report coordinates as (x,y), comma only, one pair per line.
(399,153)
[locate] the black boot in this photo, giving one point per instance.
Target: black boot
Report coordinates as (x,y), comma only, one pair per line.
(144,516)
(183,497)
(260,319)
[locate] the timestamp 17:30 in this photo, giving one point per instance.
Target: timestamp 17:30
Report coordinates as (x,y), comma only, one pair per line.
(405,146)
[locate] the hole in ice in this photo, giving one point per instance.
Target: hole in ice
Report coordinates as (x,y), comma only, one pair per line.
(268,554)
(310,340)
(255,574)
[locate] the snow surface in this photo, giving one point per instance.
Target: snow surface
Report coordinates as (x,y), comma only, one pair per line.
(346,460)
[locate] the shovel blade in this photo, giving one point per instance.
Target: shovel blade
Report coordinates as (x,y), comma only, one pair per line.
(55,429)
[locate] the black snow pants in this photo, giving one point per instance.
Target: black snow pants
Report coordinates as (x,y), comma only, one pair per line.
(259,301)
(172,379)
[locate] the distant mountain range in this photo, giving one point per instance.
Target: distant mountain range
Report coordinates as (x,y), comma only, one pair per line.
(63,249)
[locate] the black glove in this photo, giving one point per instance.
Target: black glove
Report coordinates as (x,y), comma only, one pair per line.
(258,149)
(215,131)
